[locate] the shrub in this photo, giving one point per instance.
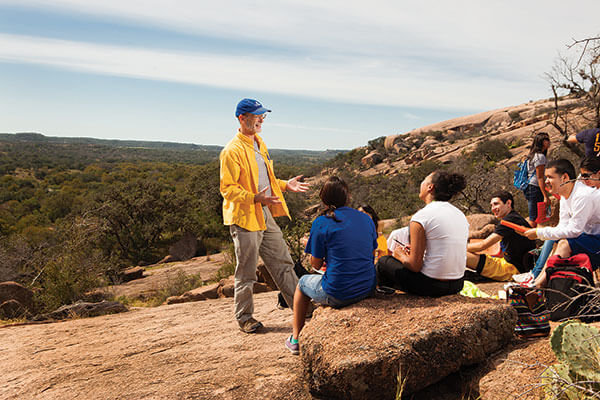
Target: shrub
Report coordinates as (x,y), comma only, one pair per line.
(493,150)
(515,116)
(293,234)
(70,268)
(228,267)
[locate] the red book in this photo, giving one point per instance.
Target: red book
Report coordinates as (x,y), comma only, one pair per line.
(518,228)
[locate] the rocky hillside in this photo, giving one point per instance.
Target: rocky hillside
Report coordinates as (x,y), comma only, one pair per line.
(448,140)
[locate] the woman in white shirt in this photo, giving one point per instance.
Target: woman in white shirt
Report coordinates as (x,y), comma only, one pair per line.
(434,263)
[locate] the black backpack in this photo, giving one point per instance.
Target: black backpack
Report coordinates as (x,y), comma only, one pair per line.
(570,287)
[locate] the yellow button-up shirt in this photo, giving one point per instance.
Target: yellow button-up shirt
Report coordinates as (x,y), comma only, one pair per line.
(239,184)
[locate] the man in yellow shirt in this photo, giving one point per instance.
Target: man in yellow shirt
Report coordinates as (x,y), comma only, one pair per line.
(252,196)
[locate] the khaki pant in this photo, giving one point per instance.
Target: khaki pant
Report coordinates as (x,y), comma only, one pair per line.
(274,252)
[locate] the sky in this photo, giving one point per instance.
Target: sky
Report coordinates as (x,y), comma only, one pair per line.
(335,74)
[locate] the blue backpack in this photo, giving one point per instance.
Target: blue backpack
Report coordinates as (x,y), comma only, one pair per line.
(521,178)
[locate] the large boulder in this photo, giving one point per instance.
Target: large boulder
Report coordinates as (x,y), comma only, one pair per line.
(13,309)
(263,276)
(499,119)
(357,352)
(481,225)
(15,291)
(131,274)
(479,221)
(198,294)
(83,309)
(371,159)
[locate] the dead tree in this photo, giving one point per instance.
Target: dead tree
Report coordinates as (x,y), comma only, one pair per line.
(576,75)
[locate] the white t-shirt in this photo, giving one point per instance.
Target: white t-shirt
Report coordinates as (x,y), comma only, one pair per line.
(446,234)
(537,160)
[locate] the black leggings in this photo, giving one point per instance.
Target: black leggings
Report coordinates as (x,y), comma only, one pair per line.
(392,273)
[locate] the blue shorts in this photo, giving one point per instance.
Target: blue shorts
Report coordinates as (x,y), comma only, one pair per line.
(588,244)
(310,285)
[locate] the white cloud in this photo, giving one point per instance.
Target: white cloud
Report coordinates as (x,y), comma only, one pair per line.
(314,128)
(450,55)
(347,79)
(492,30)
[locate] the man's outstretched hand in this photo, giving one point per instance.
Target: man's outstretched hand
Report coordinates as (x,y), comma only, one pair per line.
(262,198)
(294,185)
(530,234)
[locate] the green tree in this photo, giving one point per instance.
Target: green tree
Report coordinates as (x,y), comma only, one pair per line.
(135,215)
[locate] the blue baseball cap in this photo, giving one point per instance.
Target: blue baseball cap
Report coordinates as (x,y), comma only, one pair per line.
(250,106)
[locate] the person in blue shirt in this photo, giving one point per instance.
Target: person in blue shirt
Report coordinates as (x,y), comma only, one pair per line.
(591,140)
(346,238)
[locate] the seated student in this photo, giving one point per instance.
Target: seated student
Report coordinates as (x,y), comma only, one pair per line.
(347,238)
(589,171)
(516,258)
(435,263)
(382,248)
(578,229)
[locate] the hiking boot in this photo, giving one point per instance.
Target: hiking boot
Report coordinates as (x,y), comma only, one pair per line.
(250,326)
(294,348)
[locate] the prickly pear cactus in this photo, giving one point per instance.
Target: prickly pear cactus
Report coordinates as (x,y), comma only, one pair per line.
(581,350)
(577,346)
(557,381)
(556,340)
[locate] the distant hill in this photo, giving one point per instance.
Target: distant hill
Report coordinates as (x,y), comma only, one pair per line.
(143,144)
(88,150)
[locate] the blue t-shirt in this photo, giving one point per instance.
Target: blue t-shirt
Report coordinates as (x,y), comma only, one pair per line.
(591,139)
(347,247)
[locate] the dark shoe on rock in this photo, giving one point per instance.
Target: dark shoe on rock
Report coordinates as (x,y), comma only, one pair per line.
(385,290)
(250,326)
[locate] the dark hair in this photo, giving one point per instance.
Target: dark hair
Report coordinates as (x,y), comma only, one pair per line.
(446,184)
(562,166)
(504,196)
(538,144)
(591,163)
(334,194)
(369,210)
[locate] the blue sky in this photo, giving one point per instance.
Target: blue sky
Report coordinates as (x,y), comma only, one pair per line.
(335,73)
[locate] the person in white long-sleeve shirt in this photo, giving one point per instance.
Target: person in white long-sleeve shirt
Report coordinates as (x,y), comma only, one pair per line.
(578,230)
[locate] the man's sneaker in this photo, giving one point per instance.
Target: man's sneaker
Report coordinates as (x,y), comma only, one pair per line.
(294,348)
(250,326)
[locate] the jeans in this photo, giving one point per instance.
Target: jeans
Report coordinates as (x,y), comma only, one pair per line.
(545,253)
(534,195)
